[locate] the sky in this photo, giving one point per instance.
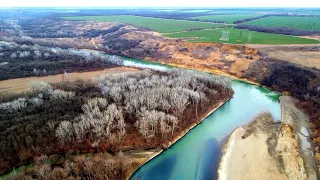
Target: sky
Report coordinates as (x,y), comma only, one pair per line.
(161,3)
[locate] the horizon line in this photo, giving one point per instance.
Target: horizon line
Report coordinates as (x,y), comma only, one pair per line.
(155,7)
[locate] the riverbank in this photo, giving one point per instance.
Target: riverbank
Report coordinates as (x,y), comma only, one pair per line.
(270,150)
(246,153)
(153,153)
(215,71)
(299,121)
(201,119)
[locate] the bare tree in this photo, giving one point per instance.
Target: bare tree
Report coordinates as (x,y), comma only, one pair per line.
(64,132)
(150,121)
(62,95)
(38,87)
(100,121)
(14,106)
(36,71)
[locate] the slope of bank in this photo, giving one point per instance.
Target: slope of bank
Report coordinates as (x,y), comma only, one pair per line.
(265,149)
(246,153)
(298,120)
(152,153)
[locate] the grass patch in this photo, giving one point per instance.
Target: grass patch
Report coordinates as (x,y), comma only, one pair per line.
(157,24)
(16,171)
(214,35)
(227,18)
(306,23)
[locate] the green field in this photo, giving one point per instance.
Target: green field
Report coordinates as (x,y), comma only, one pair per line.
(157,24)
(307,23)
(257,37)
(228,18)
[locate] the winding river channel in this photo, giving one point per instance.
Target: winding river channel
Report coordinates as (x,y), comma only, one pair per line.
(197,154)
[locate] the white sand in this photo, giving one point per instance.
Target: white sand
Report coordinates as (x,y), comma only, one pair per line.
(248,159)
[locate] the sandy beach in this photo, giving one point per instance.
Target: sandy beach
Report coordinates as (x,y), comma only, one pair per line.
(248,158)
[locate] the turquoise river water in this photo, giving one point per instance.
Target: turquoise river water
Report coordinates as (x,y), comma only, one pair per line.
(196,156)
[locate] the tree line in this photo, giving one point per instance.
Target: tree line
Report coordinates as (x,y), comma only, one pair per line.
(278,30)
(270,15)
(20,61)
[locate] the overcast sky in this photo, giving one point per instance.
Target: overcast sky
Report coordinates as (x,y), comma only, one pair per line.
(160,3)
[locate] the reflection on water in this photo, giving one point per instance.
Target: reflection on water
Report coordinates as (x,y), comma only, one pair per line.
(196,156)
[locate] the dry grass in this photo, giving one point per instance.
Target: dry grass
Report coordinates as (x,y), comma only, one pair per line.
(305,58)
(209,56)
(305,55)
(21,84)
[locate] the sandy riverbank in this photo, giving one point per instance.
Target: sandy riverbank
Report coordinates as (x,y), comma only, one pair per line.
(246,153)
(270,150)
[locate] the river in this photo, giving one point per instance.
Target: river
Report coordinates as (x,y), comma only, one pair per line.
(196,156)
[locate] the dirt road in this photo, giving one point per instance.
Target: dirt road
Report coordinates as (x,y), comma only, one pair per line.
(21,84)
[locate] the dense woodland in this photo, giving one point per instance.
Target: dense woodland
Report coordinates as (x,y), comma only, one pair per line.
(18,61)
(143,109)
(78,166)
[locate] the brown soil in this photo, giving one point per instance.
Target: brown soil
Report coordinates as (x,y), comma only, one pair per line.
(21,84)
(231,59)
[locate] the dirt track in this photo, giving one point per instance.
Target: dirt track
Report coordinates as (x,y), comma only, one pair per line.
(21,84)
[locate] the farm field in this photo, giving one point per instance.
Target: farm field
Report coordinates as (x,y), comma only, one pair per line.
(306,23)
(157,24)
(214,35)
(227,18)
